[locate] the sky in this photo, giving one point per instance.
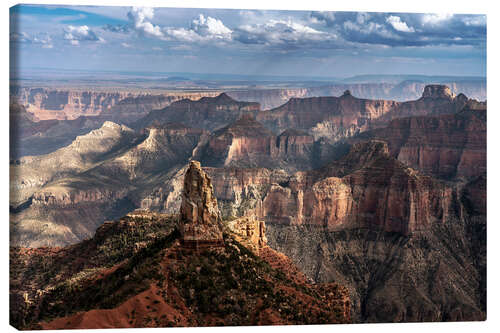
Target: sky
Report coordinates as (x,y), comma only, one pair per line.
(249,42)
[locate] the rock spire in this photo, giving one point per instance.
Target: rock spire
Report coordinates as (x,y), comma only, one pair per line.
(200,222)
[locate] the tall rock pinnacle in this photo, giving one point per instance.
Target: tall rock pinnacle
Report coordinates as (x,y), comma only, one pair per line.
(200,222)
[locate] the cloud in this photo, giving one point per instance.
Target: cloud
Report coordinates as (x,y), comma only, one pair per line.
(476,20)
(126,45)
(433,19)
(140,18)
(280,32)
(202,29)
(327,18)
(397,24)
(42,39)
(369,32)
(77,34)
(404,29)
(210,27)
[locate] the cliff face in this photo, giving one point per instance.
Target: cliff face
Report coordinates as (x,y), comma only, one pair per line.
(371,222)
(447,146)
(118,106)
(33,172)
(66,104)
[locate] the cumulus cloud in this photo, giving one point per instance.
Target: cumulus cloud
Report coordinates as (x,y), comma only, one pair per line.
(140,18)
(77,34)
(397,24)
(319,29)
(202,29)
(280,32)
(210,27)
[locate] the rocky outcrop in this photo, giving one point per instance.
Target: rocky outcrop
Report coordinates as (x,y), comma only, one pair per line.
(437,91)
(250,232)
(200,221)
(143,277)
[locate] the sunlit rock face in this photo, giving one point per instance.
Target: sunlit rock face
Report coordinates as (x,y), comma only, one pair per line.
(200,222)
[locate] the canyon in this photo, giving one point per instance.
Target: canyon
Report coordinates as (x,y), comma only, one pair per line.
(386,198)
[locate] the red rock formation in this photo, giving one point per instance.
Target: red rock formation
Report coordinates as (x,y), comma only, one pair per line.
(200,222)
(250,232)
(446,146)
